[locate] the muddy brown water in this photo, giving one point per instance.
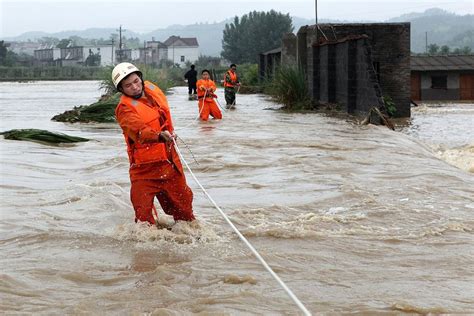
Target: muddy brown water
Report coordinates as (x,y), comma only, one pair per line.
(354,219)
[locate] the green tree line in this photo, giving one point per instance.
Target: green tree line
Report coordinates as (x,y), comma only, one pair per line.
(434,49)
(254,33)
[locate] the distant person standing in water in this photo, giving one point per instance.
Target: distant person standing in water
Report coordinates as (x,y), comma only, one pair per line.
(207,106)
(155,168)
(191,77)
(231,80)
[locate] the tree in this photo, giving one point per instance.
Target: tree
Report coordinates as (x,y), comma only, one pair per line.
(254,33)
(208,61)
(3,53)
(433,49)
(444,50)
(7,57)
(63,43)
(466,50)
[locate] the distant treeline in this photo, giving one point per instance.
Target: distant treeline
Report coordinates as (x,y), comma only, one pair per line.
(50,73)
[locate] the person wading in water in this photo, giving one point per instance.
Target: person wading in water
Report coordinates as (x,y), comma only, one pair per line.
(155,168)
(231,80)
(191,77)
(207,106)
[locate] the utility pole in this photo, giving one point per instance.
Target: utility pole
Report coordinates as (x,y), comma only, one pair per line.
(120,30)
(316,19)
(144,50)
(113,42)
(316,11)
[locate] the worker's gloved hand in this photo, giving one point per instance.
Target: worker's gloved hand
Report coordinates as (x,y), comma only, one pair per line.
(166,136)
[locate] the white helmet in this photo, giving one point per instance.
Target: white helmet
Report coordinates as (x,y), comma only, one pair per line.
(121,71)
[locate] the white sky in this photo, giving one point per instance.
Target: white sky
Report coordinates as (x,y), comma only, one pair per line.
(19,16)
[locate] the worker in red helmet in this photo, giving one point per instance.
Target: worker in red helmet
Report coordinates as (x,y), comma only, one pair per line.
(155,168)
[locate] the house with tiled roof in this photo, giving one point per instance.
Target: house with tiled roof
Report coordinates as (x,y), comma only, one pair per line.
(444,77)
(182,49)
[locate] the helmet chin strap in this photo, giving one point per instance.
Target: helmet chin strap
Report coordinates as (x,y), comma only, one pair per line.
(138,96)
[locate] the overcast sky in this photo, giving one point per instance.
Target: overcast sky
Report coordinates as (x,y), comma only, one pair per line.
(19,16)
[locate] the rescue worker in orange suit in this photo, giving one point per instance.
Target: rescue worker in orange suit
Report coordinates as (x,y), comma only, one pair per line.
(231,80)
(205,89)
(155,169)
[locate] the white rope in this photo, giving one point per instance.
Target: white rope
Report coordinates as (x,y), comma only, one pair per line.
(275,276)
(220,106)
(200,111)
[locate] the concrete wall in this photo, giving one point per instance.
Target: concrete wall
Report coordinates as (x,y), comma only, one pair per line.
(288,49)
(346,76)
(268,65)
(323,74)
(342,74)
(353,65)
(389,49)
(368,89)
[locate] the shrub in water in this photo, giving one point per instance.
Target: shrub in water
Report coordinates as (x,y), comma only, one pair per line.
(288,86)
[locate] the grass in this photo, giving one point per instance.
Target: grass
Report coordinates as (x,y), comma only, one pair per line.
(100,112)
(288,87)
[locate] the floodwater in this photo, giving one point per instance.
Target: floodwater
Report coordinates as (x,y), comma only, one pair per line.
(353,218)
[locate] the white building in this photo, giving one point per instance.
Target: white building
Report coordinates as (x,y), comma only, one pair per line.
(153,53)
(48,56)
(78,55)
(182,50)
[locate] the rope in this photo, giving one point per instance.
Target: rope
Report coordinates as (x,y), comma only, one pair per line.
(233,102)
(220,106)
(200,111)
(189,149)
(264,263)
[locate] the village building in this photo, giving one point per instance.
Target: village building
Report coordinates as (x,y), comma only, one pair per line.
(47,56)
(176,50)
(154,53)
(77,56)
(442,78)
(182,50)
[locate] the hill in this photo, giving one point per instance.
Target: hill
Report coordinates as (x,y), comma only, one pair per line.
(442,27)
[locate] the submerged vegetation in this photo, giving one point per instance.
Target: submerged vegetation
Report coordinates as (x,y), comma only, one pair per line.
(288,86)
(102,111)
(40,135)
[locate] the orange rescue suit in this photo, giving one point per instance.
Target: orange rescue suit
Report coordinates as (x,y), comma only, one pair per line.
(207,105)
(155,168)
(233,79)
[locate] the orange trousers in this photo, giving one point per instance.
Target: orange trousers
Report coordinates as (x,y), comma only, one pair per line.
(171,190)
(207,107)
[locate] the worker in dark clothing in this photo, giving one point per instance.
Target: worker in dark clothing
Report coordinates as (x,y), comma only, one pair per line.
(191,77)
